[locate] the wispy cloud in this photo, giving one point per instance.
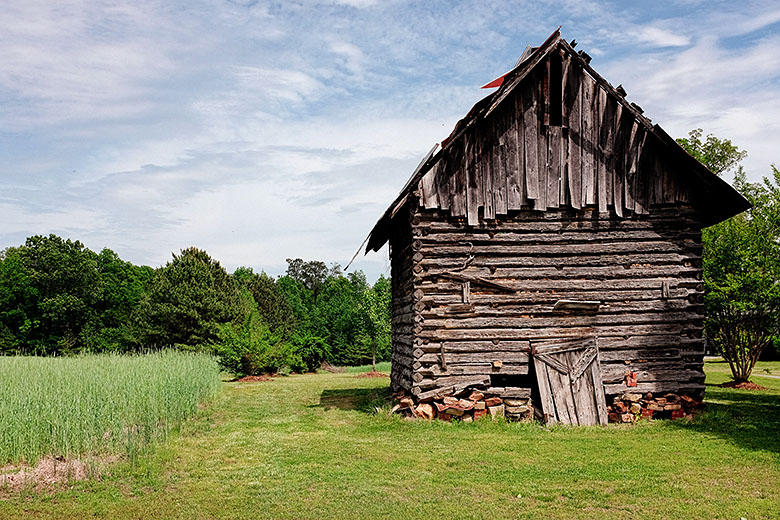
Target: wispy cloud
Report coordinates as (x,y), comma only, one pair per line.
(662,37)
(262,131)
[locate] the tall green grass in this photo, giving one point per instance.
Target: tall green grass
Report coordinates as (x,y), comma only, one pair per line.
(97,404)
(382,366)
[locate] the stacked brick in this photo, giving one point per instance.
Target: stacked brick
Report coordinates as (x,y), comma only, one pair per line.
(631,407)
(475,405)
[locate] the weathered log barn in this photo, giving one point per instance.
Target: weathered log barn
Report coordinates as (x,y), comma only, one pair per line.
(551,248)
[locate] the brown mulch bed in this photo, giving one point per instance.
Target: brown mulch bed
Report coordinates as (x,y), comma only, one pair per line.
(254,379)
(746,385)
(372,373)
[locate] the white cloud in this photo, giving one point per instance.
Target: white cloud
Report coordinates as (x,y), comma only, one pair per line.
(662,37)
(729,92)
(263,131)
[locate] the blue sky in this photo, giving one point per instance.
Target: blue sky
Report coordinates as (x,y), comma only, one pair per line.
(261,131)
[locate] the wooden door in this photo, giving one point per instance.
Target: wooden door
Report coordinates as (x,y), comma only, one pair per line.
(569,379)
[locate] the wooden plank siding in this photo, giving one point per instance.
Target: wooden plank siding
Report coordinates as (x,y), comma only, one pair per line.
(593,152)
(546,257)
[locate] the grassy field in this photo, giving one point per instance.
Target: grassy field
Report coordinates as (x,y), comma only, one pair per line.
(764,368)
(312,446)
(68,407)
(383,366)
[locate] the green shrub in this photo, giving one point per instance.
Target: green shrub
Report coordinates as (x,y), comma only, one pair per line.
(250,348)
(307,353)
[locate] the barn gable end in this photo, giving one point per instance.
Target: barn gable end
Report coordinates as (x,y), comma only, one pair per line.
(555,209)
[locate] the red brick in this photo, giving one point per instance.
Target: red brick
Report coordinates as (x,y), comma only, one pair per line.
(476,395)
(493,401)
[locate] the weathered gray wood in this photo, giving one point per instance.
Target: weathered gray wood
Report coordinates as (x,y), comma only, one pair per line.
(513,157)
(527,332)
(618,268)
(459,188)
(574,138)
(629,167)
(452,387)
(572,382)
(465,380)
(562,236)
(598,393)
(574,305)
(655,353)
(530,129)
(554,170)
(556,319)
(443,182)
(457,358)
(440,308)
(435,371)
(589,140)
(474,187)
(571,249)
(475,280)
(488,188)
(545,393)
(642,175)
(542,135)
(430,198)
(602,113)
(617,160)
(485,347)
(678,217)
(500,180)
(614,374)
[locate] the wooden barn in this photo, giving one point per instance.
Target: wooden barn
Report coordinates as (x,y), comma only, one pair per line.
(549,251)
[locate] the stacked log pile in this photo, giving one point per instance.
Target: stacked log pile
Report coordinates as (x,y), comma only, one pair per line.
(470,406)
(631,407)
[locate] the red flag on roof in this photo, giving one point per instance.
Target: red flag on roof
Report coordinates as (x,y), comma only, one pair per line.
(495,83)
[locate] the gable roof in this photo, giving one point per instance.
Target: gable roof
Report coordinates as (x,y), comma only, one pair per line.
(713,198)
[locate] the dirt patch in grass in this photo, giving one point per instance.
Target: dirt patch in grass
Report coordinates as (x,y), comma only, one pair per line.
(332,369)
(254,379)
(49,473)
(372,373)
(745,385)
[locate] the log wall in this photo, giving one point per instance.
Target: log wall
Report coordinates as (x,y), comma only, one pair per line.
(403,314)
(451,326)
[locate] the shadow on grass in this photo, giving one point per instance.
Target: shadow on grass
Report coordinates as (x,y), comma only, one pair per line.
(749,419)
(361,399)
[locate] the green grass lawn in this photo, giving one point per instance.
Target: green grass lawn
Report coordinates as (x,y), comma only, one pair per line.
(310,446)
(763,368)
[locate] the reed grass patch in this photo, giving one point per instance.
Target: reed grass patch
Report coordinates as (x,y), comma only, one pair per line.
(98,404)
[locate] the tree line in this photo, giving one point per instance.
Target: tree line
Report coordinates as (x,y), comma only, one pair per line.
(57,297)
(741,262)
